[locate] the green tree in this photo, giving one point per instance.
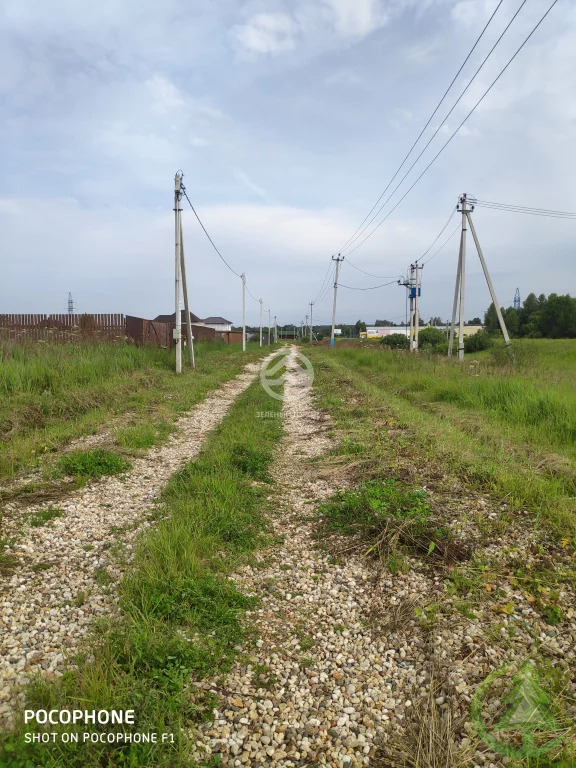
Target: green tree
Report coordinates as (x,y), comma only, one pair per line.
(557,318)
(360,326)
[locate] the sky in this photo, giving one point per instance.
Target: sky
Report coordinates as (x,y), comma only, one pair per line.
(288,118)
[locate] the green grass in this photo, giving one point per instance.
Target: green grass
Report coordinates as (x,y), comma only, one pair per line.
(144,436)
(44,516)
(509,429)
(92,464)
(181,617)
(50,394)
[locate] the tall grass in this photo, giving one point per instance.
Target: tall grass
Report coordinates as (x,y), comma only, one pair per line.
(539,401)
(52,393)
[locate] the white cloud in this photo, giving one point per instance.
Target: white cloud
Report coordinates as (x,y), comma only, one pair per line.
(357,18)
(267,33)
(165,95)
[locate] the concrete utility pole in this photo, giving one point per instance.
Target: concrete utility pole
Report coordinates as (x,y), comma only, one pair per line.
(311,326)
(189,335)
(459,290)
(417,307)
(177,230)
(275,330)
(243,276)
(269,329)
(260,322)
(337,259)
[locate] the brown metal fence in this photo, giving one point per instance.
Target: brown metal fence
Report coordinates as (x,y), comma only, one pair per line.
(62,328)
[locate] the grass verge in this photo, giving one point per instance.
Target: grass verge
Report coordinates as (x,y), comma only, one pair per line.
(50,394)
(180,617)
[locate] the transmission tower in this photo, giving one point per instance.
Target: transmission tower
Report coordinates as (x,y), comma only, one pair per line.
(517,303)
(70,304)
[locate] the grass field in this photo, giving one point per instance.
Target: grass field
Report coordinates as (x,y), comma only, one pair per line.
(509,428)
(50,394)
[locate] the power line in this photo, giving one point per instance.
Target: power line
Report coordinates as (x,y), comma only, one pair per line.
(438,236)
(371,288)
(206,232)
(354,236)
(431,139)
(447,142)
(380,277)
(444,244)
(330,266)
(524,209)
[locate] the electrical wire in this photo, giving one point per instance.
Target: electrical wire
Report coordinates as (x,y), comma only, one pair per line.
(330,266)
(431,139)
(438,236)
(380,277)
(371,288)
(444,244)
(524,209)
(183,189)
(355,234)
(447,142)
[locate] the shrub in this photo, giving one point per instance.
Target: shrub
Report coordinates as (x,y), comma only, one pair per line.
(431,337)
(478,342)
(396,341)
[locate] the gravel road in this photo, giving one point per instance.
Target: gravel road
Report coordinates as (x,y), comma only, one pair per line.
(67,568)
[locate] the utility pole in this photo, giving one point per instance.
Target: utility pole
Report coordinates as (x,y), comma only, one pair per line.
(70,304)
(517,299)
(337,259)
(177,315)
(459,290)
(275,330)
(311,326)
(243,276)
(269,329)
(260,322)
(189,335)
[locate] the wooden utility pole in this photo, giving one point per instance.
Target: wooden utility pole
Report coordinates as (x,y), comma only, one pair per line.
(337,259)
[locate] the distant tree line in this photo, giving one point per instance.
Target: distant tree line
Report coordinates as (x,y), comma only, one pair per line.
(539,317)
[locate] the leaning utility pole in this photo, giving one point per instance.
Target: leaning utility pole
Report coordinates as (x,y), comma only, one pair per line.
(178,231)
(243,276)
(459,291)
(189,335)
(337,259)
(269,329)
(260,322)
(311,331)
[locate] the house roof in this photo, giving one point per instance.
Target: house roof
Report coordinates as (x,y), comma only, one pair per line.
(170,318)
(217,320)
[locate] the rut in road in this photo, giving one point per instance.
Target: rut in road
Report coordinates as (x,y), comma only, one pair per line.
(320,684)
(66,572)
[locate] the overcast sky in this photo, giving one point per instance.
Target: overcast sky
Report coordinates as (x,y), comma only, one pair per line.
(288,118)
